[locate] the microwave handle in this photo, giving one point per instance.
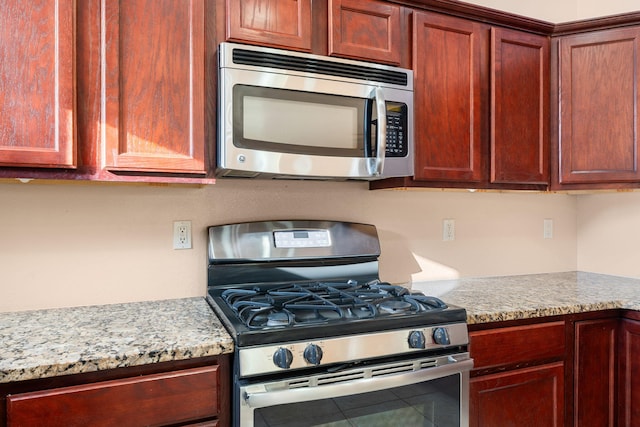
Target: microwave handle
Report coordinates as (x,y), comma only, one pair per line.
(375,164)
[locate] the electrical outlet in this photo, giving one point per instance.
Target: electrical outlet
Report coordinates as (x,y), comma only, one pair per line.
(548,229)
(448,230)
(181,234)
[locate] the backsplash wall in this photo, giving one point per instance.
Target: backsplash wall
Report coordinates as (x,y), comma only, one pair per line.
(82,244)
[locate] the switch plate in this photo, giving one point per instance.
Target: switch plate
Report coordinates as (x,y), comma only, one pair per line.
(548,228)
(448,230)
(182,235)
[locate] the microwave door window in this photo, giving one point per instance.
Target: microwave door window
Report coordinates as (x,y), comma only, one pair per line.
(299,122)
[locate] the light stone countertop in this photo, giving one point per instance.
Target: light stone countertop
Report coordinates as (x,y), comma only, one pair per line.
(47,343)
(495,299)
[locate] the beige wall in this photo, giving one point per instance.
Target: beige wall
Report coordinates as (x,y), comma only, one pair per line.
(561,11)
(66,244)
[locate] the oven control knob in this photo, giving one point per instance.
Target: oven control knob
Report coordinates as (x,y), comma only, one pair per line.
(313,354)
(441,336)
(282,358)
(416,339)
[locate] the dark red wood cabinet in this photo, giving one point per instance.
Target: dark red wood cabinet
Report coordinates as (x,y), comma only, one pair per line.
(598,100)
(162,395)
(37,89)
(518,376)
(629,373)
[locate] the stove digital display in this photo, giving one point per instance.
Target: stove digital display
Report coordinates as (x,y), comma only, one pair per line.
(302,239)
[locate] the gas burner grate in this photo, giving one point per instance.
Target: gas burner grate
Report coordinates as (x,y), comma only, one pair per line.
(323,302)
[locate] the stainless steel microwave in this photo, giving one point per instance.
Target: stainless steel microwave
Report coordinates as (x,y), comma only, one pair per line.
(285,114)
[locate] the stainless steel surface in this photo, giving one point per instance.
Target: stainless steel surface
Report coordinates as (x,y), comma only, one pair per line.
(235,161)
(381,108)
(255,241)
(355,381)
(260,359)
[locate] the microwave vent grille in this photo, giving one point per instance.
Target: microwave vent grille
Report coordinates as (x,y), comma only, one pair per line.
(318,66)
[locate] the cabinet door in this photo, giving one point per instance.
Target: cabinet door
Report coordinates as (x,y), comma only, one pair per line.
(158,399)
(37,100)
(365,29)
(154,86)
(598,139)
(278,23)
(530,397)
(629,374)
(595,373)
(448,81)
(519,107)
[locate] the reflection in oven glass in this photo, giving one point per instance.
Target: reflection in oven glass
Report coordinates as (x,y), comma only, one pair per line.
(430,404)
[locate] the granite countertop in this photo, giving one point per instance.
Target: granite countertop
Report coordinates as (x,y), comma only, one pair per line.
(495,299)
(47,343)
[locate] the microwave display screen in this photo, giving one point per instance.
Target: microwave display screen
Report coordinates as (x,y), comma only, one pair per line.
(291,121)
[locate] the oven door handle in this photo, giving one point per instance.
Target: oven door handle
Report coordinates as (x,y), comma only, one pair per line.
(277,397)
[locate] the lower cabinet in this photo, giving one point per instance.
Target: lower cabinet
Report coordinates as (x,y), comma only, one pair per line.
(518,376)
(192,396)
(629,374)
(522,397)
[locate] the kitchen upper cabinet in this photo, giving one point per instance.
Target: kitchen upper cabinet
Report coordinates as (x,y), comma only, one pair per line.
(595,373)
(599,99)
(448,74)
(277,23)
(518,376)
(37,90)
(481,105)
(629,374)
(369,30)
(519,107)
(154,86)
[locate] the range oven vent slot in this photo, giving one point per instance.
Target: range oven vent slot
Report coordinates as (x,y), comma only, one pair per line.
(318,66)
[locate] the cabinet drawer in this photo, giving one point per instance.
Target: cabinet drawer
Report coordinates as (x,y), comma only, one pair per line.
(158,399)
(518,344)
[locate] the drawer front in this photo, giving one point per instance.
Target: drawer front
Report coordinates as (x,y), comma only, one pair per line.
(518,344)
(165,398)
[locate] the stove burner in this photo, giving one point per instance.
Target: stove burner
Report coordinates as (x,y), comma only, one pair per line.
(324,302)
(395,306)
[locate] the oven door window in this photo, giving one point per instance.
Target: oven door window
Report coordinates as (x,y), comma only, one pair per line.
(297,122)
(434,403)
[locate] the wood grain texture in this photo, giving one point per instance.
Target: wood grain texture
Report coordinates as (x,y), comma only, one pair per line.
(153,98)
(277,23)
(519,107)
(595,373)
(599,99)
(158,399)
(530,397)
(37,90)
(448,77)
(629,374)
(366,30)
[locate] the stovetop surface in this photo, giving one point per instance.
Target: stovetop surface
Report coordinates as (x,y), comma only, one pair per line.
(285,312)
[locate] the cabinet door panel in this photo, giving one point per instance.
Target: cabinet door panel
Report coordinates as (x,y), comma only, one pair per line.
(629,374)
(365,29)
(37,100)
(595,373)
(519,107)
(529,397)
(448,75)
(154,86)
(598,107)
(280,23)
(158,399)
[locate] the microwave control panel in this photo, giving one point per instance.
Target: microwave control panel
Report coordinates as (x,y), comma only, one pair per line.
(397,145)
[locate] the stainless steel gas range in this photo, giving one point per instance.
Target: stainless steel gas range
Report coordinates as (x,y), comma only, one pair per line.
(320,341)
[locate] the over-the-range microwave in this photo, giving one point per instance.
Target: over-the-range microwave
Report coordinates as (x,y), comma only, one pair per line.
(284,114)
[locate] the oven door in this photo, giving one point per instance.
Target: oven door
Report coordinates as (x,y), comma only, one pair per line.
(416,392)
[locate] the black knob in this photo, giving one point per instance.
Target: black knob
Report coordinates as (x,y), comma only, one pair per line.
(313,354)
(416,339)
(441,336)
(283,358)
